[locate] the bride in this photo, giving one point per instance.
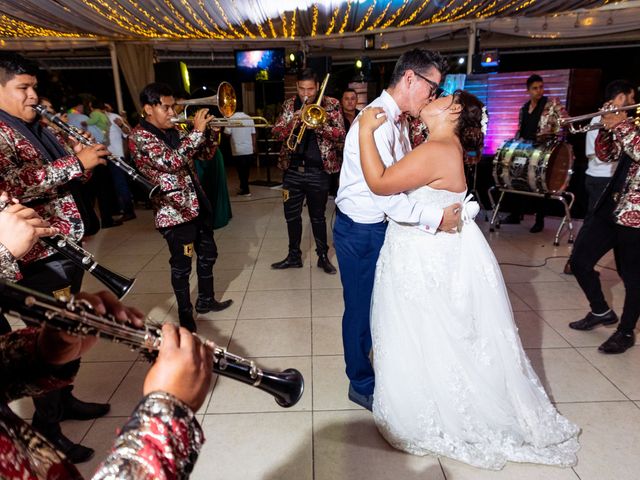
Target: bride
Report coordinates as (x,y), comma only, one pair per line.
(452,377)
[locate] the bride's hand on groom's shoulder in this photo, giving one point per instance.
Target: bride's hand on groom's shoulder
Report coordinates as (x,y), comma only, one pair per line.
(371,118)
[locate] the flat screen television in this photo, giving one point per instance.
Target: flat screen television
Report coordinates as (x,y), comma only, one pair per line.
(260,65)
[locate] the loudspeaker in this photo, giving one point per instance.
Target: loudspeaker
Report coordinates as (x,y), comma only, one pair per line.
(174,74)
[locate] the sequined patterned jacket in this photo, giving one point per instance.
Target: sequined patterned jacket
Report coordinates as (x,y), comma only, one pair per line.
(549,123)
(625,137)
(173,170)
(24,174)
(330,134)
(161,440)
(418,131)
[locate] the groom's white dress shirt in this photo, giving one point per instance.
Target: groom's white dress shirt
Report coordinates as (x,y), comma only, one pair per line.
(354,197)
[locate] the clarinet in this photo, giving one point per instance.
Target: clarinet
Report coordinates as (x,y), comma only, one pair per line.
(151,189)
(117,283)
(78,318)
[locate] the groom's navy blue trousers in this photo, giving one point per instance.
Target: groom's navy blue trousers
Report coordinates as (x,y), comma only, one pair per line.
(357,247)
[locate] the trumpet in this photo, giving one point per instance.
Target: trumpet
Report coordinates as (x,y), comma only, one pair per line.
(151,189)
(258,122)
(311,116)
(79,318)
(594,126)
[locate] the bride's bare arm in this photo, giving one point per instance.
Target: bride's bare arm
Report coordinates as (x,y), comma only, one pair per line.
(412,172)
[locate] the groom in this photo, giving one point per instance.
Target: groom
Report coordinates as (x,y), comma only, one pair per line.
(361,216)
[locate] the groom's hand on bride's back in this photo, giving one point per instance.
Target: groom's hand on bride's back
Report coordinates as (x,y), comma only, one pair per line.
(451,218)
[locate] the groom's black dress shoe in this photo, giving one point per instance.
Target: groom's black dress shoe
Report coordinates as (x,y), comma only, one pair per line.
(365,401)
(591,321)
(619,342)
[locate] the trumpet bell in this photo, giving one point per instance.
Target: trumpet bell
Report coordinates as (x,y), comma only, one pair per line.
(314,115)
(227,101)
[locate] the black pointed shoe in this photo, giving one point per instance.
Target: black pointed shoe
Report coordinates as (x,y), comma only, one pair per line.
(289,262)
(212,305)
(537,227)
(591,321)
(325,264)
(619,342)
(511,219)
(74,452)
(76,409)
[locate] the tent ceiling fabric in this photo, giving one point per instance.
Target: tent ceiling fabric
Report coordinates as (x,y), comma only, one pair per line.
(332,22)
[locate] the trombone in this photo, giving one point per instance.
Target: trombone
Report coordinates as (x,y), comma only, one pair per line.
(594,126)
(312,116)
(258,122)
(225,100)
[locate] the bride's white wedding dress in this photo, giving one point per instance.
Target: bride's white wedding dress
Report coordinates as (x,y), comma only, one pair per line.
(452,377)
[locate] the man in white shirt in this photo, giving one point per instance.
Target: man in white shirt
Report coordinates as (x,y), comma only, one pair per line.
(243,148)
(361,216)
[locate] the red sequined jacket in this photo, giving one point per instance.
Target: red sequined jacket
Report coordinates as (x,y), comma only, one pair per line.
(161,440)
(625,137)
(173,170)
(24,175)
(330,134)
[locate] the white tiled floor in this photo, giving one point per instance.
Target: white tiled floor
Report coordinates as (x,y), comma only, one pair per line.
(292,319)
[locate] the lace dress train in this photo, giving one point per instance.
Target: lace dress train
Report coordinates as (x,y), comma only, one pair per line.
(452,377)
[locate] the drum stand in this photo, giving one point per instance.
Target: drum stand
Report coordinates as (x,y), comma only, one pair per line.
(560,196)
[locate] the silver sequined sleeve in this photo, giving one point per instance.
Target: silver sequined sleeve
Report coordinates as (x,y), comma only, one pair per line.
(161,440)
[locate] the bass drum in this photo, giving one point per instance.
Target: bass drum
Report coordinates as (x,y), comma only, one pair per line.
(533,167)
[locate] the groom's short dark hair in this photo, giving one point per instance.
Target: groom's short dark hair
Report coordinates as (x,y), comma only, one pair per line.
(419,60)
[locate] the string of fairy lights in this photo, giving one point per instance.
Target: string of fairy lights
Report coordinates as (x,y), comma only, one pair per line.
(185,19)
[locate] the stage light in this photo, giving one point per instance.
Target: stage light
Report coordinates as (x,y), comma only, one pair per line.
(292,57)
(358,64)
(490,59)
(461,61)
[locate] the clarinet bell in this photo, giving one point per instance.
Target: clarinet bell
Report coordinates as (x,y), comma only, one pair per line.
(117,283)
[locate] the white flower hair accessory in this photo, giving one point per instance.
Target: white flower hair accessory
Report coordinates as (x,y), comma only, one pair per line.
(485,120)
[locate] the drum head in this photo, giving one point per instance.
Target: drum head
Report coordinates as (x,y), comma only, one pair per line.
(558,168)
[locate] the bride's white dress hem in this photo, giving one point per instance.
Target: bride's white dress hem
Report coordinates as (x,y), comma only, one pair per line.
(452,377)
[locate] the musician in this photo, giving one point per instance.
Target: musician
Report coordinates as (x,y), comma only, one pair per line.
(183,215)
(539,121)
(161,439)
(349,102)
(307,170)
(34,164)
(619,93)
(613,225)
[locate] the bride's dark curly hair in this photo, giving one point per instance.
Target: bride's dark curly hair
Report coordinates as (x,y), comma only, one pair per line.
(469,127)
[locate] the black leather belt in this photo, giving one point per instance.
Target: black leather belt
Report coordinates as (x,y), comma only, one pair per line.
(303,169)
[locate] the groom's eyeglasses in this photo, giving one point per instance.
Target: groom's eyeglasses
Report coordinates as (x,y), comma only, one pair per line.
(433,85)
